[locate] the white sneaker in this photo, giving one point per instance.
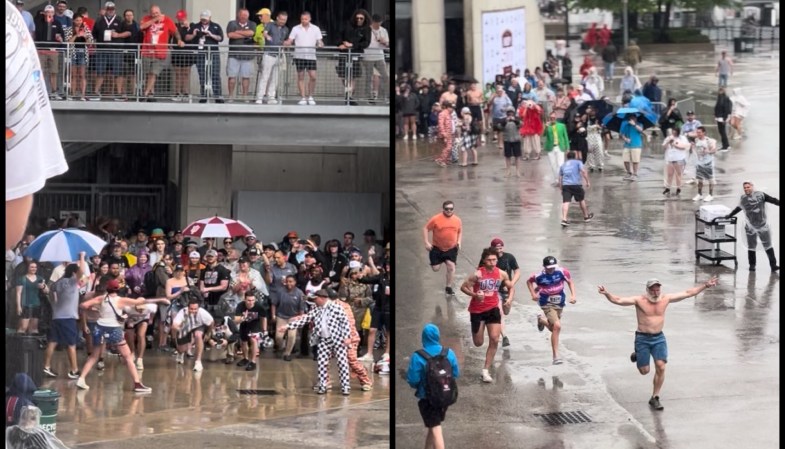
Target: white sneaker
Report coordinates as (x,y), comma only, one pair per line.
(80,383)
(139,364)
(689,181)
(259,102)
(368,357)
(697,197)
(708,198)
(198,366)
(272,101)
(486,376)
(386,357)
(406,137)
(180,357)
(303,101)
(414,137)
(311,101)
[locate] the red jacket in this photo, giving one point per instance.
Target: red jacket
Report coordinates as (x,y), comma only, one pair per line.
(531,123)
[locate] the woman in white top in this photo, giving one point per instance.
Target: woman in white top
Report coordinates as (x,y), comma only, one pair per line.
(676,147)
(594,84)
(109,331)
(741,107)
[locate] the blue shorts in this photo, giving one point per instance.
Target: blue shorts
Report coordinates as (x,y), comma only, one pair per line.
(64,332)
(112,336)
(108,61)
(552,300)
(650,345)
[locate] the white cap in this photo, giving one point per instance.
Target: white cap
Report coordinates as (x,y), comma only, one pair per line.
(206,14)
(49,8)
(195,254)
(68,13)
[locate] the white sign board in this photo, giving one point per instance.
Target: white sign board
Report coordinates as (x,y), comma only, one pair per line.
(503,42)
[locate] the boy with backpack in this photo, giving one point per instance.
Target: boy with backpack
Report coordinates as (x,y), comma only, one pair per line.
(433,371)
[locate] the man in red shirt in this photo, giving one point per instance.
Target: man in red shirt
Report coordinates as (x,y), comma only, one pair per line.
(446,228)
(158,31)
(483,287)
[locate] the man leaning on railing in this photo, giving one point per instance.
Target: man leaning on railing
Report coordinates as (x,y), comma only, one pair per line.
(273,37)
(240,33)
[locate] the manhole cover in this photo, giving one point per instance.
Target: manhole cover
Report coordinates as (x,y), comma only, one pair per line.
(563,418)
(258,392)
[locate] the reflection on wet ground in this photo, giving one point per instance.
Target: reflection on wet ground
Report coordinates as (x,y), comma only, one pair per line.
(722,380)
(209,404)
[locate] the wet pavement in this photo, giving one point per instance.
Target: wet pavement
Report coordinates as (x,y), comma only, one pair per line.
(188,409)
(721,387)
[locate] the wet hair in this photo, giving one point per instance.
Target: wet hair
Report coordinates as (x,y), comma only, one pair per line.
(676,130)
(70,270)
(491,251)
(702,128)
(250,293)
(671,100)
(447,203)
(571,155)
(291,276)
(194,300)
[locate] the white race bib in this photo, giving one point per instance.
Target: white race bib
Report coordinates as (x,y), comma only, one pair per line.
(556,299)
(108,36)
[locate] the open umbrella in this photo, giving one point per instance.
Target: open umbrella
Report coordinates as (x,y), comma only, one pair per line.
(603,107)
(217,227)
(613,121)
(645,107)
(464,79)
(64,245)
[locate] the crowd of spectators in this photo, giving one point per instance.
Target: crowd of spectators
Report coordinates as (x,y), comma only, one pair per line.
(248,289)
(103,48)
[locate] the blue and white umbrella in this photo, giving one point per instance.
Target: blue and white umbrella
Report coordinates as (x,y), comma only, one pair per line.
(64,245)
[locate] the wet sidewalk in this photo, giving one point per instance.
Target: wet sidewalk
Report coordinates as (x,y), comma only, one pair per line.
(722,381)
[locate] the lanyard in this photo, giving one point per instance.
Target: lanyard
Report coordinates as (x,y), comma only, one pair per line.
(109,22)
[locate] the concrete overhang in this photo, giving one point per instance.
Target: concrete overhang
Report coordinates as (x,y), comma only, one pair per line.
(223,124)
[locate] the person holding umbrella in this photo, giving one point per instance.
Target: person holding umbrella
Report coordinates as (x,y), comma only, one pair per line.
(631,132)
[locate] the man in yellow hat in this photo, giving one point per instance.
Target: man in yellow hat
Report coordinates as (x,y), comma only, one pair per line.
(272,35)
(264,18)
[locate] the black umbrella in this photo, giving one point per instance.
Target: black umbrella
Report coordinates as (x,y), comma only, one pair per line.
(613,121)
(602,107)
(464,79)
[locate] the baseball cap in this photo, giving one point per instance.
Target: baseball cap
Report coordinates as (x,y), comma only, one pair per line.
(355,264)
(369,232)
(178,232)
(20,2)
(652,282)
(178,267)
(195,254)
(323,293)
(206,14)
(181,14)
(142,231)
(252,235)
(510,109)
(549,262)
(253,252)
(497,241)
(190,243)
(465,111)
(264,11)
(211,252)
(49,8)
(690,112)
(108,5)
(268,246)
(291,234)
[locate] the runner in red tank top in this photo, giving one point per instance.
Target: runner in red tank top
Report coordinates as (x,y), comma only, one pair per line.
(483,287)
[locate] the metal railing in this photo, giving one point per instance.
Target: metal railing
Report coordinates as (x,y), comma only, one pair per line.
(139,72)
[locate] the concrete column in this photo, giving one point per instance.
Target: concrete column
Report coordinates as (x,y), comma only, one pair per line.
(428,39)
(205,181)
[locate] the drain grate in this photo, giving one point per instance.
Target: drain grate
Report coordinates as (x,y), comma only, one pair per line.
(258,392)
(563,418)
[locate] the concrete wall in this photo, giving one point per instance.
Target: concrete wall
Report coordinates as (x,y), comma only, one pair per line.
(205,181)
(428,38)
(472,26)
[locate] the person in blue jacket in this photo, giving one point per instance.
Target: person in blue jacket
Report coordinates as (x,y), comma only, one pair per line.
(19,395)
(432,417)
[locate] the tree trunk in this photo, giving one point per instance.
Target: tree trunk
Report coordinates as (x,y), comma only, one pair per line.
(666,21)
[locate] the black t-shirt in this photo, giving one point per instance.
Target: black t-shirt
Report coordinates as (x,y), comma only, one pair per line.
(213,277)
(508,264)
(102,24)
(252,318)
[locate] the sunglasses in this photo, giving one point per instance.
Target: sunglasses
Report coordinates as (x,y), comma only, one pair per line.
(449,209)
(227,241)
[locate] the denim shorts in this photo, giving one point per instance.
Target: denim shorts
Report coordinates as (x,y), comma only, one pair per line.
(112,336)
(650,345)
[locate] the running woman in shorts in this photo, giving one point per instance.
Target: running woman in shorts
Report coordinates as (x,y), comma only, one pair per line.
(551,298)
(483,287)
(446,228)
(649,338)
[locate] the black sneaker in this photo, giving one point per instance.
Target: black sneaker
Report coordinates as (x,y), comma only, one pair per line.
(655,403)
(565,223)
(251,366)
(242,362)
(505,342)
(633,357)
(74,375)
(287,358)
(449,291)
(666,192)
(50,372)
(588,219)
(678,191)
(229,360)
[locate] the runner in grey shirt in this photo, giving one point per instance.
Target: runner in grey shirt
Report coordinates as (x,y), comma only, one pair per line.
(754,205)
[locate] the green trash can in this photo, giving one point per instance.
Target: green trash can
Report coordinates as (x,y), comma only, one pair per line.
(47,401)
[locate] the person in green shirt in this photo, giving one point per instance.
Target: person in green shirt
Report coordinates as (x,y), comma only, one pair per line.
(28,299)
(555,145)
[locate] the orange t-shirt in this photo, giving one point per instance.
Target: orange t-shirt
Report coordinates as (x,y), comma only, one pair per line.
(445,231)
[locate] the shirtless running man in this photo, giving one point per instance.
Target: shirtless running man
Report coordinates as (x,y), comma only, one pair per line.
(649,338)
(483,287)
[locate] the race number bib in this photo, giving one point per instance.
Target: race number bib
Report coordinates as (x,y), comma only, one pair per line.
(554,300)
(108,36)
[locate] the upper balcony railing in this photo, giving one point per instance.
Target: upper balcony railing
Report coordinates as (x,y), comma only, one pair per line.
(274,75)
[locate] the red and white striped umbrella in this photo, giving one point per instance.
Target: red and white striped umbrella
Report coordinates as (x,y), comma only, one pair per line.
(217,227)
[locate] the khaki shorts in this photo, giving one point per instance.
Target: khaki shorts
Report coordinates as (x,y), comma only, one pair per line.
(154,65)
(552,313)
(631,155)
(49,62)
